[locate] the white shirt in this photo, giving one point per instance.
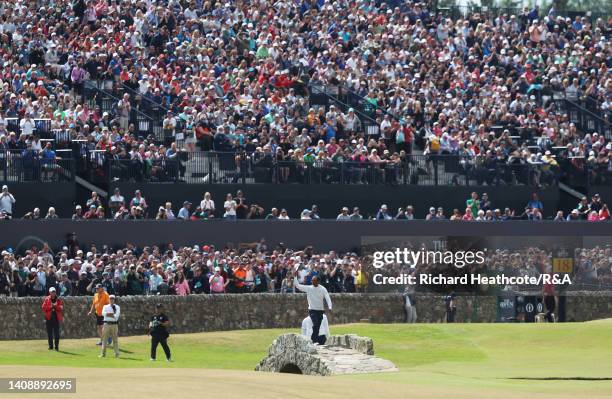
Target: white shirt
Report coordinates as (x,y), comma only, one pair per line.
(315,295)
(307,327)
(6,202)
(230,208)
(207,205)
(109,309)
(117,198)
(27,126)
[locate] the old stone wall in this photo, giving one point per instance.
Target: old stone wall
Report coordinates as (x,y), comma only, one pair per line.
(22,318)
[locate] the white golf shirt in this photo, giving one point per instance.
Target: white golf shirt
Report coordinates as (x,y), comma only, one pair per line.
(109,309)
(315,295)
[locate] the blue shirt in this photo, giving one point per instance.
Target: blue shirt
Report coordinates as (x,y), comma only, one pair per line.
(183,213)
(535,204)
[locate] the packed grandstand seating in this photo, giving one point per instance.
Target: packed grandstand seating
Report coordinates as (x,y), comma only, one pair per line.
(326,92)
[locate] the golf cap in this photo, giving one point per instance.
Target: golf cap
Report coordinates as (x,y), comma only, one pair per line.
(52,289)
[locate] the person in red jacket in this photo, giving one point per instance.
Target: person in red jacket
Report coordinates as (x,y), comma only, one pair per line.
(52,307)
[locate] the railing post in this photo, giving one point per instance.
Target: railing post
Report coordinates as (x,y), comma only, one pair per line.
(109,169)
(435,162)
(210,169)
(244,164)
(587,170)
(6,164)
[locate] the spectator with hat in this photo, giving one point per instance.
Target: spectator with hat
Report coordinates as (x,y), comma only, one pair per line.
(183,213)
(7,200)
(100,299)
(110,329)
(158,329)
(53,308)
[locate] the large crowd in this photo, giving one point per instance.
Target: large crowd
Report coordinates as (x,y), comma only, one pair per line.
(76,270)
(235,76)
(201,269)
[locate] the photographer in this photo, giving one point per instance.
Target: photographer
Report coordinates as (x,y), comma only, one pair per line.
(53,307)
(158,329)
(6,202)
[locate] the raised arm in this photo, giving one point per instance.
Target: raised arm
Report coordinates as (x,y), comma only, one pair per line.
(299,286)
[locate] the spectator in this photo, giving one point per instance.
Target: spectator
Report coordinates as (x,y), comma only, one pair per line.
(474,204)
(169,213)
(283,215)
(181,286)
(78,213)
(535,203)
(356,215)
(7,200)
(51,213)
(230,208)
(208,205)
(184,211)
(383,213)
(116,201)
(344,215)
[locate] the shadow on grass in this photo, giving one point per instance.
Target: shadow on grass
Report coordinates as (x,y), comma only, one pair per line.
(71,353)
(125,351)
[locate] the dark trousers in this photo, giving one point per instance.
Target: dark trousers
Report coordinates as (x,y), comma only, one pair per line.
(450,314)
(317,317)
(549,301)
(155,339)
(53,333)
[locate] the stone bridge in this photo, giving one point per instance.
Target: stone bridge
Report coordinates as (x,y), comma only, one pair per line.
(342,354)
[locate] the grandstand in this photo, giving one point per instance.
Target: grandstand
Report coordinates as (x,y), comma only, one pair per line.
(395,94)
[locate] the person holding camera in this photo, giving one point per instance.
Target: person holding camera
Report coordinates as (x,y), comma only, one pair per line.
(53,308)
(6,202)
(158,329)
(110,329)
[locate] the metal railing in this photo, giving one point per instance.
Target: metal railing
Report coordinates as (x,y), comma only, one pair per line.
(357,101)
(156,111)
(326,95)
(585,119)
(29,166)
(228,167)
(94,94)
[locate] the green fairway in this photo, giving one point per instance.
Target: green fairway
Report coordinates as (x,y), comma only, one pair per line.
(472,357)
(496,350)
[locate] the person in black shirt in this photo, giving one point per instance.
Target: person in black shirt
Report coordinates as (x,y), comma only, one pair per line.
(108,283)
(158,329)
(82,284)
(199,284)
(451,307)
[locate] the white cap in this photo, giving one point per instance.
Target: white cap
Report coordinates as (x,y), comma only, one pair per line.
(52,289)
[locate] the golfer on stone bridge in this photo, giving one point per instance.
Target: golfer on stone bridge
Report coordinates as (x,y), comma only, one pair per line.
(315,294)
